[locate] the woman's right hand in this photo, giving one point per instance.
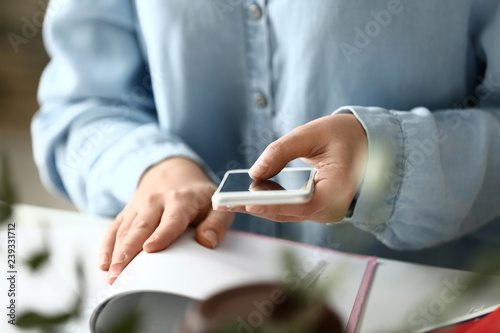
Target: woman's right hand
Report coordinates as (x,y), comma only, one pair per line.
(171,195)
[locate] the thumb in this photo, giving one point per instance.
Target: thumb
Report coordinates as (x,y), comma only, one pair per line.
(297,143)
(212,230)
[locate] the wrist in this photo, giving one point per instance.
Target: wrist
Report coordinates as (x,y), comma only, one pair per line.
(176,168)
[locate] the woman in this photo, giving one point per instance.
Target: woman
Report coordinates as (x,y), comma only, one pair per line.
(145,104)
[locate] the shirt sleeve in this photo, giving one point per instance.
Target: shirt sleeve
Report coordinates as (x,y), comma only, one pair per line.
(97,129)
(433,175)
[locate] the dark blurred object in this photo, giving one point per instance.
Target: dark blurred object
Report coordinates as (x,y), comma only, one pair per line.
(6,191)
(260,308)
(54,323)
(144,312)
(22,59)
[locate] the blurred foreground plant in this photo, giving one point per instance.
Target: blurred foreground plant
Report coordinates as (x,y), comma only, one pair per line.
(7,196)
(30,320)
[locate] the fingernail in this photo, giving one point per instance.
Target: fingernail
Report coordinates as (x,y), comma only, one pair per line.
(211,236)
(260,167)
(254,209)
(114,270)
(151,239)
(220,208)
(111,279)
(103,260)
(119,258)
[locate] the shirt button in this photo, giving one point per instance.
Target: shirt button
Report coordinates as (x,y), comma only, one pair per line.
(255,11)
(260,99)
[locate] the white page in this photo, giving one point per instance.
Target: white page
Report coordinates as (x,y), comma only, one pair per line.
(189,269)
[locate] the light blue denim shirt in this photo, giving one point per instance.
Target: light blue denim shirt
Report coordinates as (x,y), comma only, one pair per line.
(131,83)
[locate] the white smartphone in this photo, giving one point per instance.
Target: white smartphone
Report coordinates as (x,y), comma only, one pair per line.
(290,186)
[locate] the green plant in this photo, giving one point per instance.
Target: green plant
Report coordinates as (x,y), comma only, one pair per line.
(33,319)
(7,196)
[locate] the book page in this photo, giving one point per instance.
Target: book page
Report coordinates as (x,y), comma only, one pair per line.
(189,269)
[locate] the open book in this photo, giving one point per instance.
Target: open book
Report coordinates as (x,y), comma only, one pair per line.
(187,270)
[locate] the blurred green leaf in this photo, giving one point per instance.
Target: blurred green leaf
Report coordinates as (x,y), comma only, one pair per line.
(5,211)
(32,319)
(487,264)
(7,196)
(50,323)
(38,260)
(298,293)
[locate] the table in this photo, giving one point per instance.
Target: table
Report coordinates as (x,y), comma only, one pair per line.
(401,294)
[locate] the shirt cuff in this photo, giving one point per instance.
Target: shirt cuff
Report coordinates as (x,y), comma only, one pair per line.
(381,186)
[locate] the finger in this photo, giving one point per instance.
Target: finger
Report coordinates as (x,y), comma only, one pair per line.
(280,218)
(298,143)
(238,209)
(174,222)
(212,230)
(286,214)
(120,234)
(333,195)
(298,210)
(128,246)
(265,185)
(108,243)
(331,199)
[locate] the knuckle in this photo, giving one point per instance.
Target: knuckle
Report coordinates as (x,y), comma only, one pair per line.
(142,224)
(176,222)
(152,198)
(176,194)
(276,149)
(121,234)
(119,218)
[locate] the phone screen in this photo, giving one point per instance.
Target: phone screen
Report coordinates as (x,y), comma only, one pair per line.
(286,180)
